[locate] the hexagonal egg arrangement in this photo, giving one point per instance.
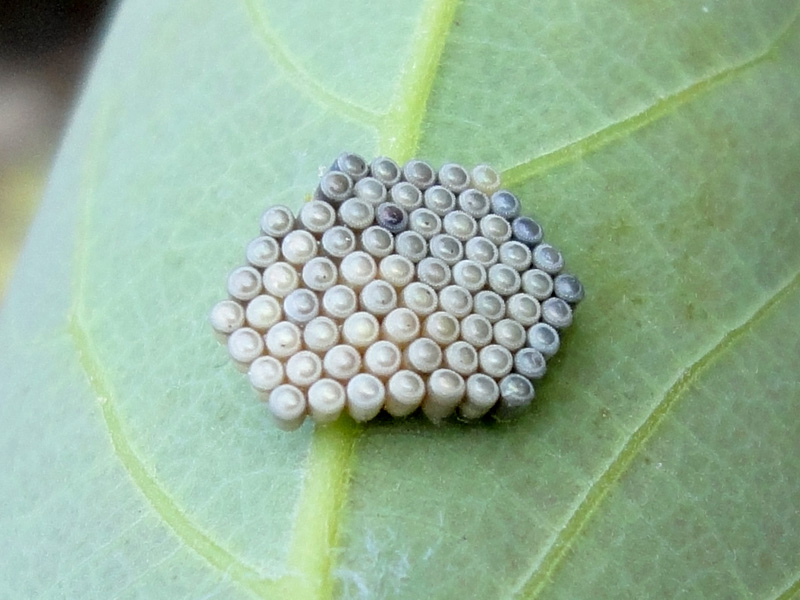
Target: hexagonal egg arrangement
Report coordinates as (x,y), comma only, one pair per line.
(396,289)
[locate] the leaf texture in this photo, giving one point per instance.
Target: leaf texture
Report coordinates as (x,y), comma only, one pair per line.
(659,147)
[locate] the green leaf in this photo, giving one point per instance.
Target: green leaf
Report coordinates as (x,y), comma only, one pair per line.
(659,147)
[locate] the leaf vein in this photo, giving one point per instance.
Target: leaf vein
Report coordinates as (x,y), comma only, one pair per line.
(324,494)
(165,507)
(791,592)
(401,128)
(187,532)
(613,132)
(532,586)
(297,75)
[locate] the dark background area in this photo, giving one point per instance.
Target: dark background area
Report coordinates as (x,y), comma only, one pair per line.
(45,50)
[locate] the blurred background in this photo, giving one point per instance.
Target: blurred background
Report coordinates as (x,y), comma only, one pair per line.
(45,49)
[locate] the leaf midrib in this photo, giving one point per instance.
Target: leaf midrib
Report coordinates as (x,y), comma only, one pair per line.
(331,452)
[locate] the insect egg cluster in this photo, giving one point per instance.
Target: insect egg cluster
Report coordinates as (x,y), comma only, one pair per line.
(397,288)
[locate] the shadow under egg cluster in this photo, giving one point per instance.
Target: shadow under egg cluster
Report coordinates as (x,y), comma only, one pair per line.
(397,288)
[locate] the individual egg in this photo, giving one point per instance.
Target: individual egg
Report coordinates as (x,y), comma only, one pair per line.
(406,196)
(455,300)
(351,164)
(516,394)
(244,283)
(544,338)
(524,309)
(320,274)
(419,173)
(506,204)
(378,298)
(365,397)
(454,177)
(321,334)
(326,401)
(474,202)
(446,389)
(298,247)
(338,241)
(433,272)
(386,171)
(446,248)
(377,242)
(442,328)
(495,361)
(383,359)
(227,316)
(470,275)
(400,326)
(423,355)
(336,186)
(301,306)
(265,374)
(439,200)
(357,214)
(569,288)
(411,245)
(495,228)
(557,312)
(482,250)
(419,297)
(342,362)
(287,404)
(460,225)
(281,279)
(244,346)
(360,329)
(339,302)
(425,222)
(303,368)
(263,312)
(391,217)
(516,255)
(537,283)
(548,259)
(284,339)
(277,221)
(396,270)
(530,363)
(482,394)
(486,179)
(477,330)
(406,389)
(370,190)
(263,251)
(526,230)
(357,269)
(317,216)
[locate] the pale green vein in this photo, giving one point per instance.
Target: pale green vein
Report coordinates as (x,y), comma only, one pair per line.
(309,561)
(322,500)
(324,494)
(298,76)
(558,550)
(792,592)
(164,506)
(401,128)
(169,512)
(660,109)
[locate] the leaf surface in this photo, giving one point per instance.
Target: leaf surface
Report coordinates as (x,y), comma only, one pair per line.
(658,146)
